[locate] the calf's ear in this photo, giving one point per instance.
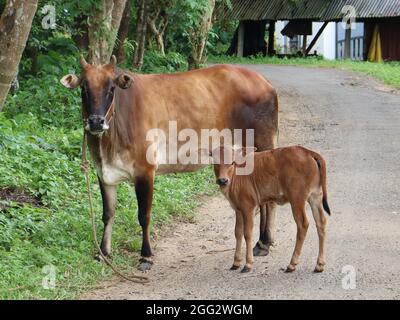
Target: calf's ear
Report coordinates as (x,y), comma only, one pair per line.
(245,151)
(124,81)
(70,81)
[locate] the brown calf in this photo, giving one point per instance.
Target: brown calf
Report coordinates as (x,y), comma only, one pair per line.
(292,175)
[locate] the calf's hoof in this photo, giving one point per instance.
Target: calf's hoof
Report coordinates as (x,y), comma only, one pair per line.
(234,268)
(245,269)
(319,268)
(260,250)
(145,265)
(290,268)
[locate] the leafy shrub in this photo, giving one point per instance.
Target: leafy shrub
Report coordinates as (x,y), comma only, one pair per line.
(154,62)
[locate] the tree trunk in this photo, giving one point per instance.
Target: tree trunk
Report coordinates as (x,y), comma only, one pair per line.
(141,30)
(123,32)
(103,28)
(198,37)
(158,29)
(159,36)
(15,25)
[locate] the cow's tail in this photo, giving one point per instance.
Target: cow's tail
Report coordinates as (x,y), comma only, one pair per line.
(322,171)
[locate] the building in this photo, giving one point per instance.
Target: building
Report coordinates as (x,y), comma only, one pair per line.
(315,25)
(330,44)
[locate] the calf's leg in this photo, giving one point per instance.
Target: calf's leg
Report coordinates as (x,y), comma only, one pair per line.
(320,221)
(248,223)
(109,197)
(239,238)
(300,217)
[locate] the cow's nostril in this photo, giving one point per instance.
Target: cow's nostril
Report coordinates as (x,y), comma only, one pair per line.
(102,121)
(222,181)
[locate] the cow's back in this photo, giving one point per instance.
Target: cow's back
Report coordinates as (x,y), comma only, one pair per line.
(217,97)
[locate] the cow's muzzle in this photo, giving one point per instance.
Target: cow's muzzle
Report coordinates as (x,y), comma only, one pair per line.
(96,124)
(222,182)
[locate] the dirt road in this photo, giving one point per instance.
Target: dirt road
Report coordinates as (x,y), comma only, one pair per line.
(355,123)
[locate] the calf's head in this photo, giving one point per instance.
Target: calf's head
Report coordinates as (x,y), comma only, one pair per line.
(98,85)
(226,159)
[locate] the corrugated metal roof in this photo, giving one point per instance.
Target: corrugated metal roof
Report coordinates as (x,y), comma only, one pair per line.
(311,9)
(364,9)
(322,10)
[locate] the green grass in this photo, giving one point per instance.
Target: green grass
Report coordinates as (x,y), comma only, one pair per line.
(40,141)
(388,72)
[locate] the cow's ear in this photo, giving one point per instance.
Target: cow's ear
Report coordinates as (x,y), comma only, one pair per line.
(70,81)
(205,152)
(124,81)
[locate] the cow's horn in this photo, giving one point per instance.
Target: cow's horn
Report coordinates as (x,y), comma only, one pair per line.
(113,61)
(83,62)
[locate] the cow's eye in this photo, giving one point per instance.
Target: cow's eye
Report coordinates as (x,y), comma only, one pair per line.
(111,92)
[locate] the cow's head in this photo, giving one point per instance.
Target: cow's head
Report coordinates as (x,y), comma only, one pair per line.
(225,159)
(98,84)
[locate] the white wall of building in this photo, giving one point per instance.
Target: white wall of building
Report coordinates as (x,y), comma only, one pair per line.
(325,45)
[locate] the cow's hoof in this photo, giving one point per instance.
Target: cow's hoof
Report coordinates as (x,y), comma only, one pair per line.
(145,265)
(234,268)
(290,268)
(260,250)
(319,268)
(245,269)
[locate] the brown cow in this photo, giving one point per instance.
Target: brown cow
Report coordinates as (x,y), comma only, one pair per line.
(120,107)
(292,175)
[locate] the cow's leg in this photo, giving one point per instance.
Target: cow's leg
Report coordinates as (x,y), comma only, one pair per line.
(144,185)
(270,227)
(266,139)
(248,223)
(262,248)
(300,217)
(267,229)
(109,197)
(320,221)
(239,239)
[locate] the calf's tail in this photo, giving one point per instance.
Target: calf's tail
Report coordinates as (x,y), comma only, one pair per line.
(322,171)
